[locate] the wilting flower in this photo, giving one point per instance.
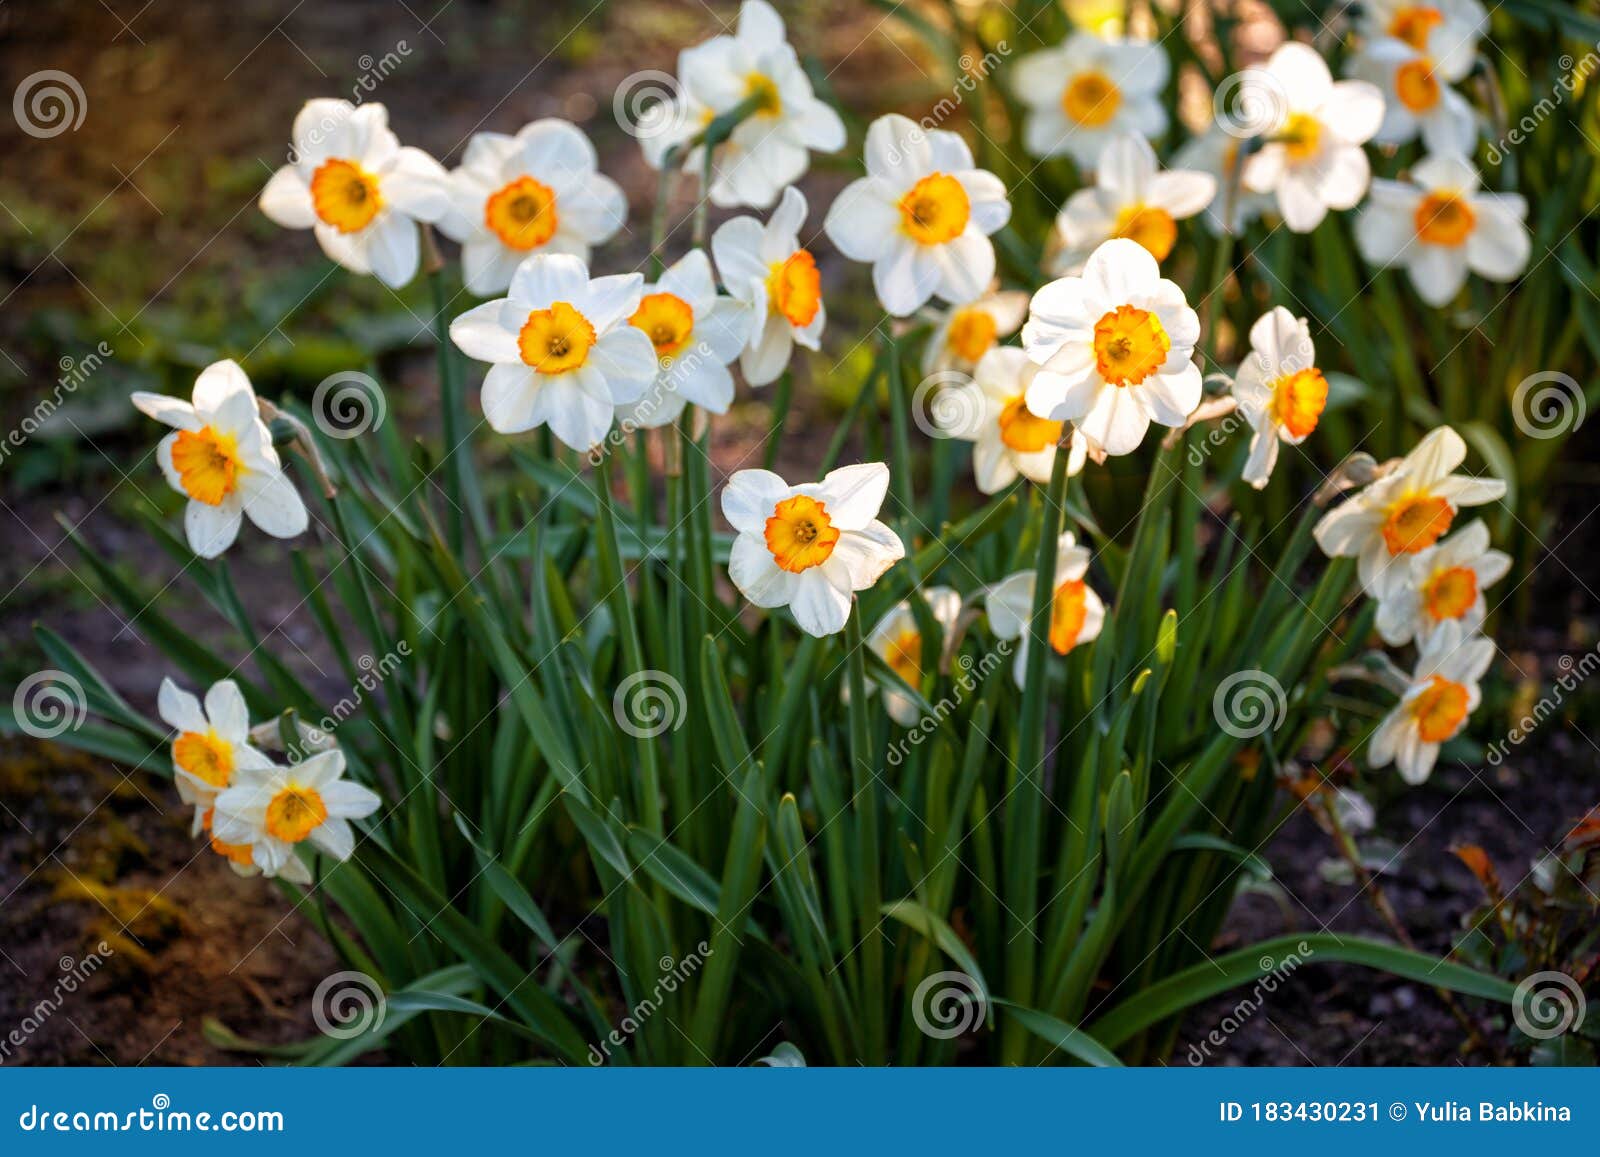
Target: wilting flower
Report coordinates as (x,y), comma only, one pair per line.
(213,741)
(357,189)
(808,547)
(775,277)
(768,150)
(1417,97)
(1440,226)
(922,215)
(1311,156)
(1076,612)
(536,192)
(696,333)
(1131,198)
(991,411)
(1445,585)
(898,641)
(221,458)
(1447,30)
(962,334)
(274,809)
(1086,90)
(1216,153)
(1280,391)
(1114,348)
(1405,512)
(561,349)
(1443,691)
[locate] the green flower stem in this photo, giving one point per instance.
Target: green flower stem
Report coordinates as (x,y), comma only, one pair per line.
(780,414)
(869,885)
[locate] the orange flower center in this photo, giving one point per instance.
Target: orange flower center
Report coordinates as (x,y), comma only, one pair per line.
(667,320)
(1440,709)
(241,854)
(1298,400)
(1450,592)
(522,214)
(1023,430)
(800,534)
(204,756)
(1416,86)
(345,195)
(1444,219)
(794,287)
(1068,610)
(555,340)
(935,210)
(295,812)
(761,86)
(207,463)
(1091,99)
(904,656)
(972,332)
(1416,522)
(1413,25)
(1129,345)
(1151,227)
(1301,136)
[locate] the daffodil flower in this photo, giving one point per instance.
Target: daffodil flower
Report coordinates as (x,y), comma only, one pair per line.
(1076,612)
(922,216)
(1280,391)
(1446,30)
(1417,97)
(220,456)
(991,412)
(1131,198)
(898,641)
(770,149)
(536,192)
(273,810)
(1441,226)
(1114,348)
(357,189)
(775,278)
(962,334)
(1404,512)
(1311,158)
(1443,691)
(810,547)
(1087,90)
(695,334)
(212,742)
(560,349)
(1445,585)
